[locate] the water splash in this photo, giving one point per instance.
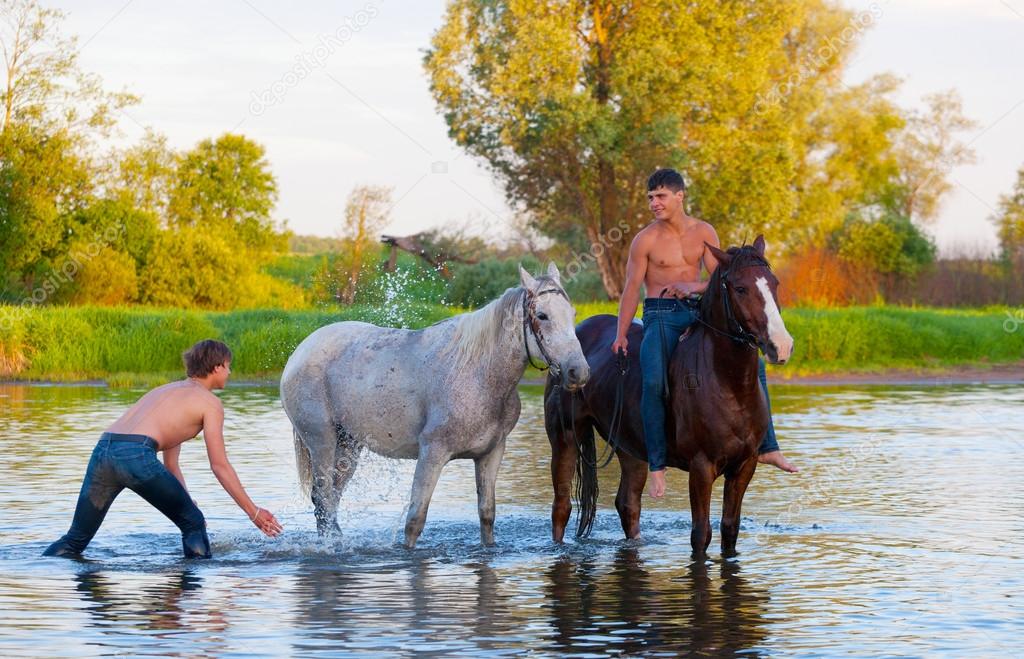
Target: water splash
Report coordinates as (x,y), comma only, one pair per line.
(401,294)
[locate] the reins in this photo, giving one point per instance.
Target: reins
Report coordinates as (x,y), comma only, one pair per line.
(612,441)
(741,335)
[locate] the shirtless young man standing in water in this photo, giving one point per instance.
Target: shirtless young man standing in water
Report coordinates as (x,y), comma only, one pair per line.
(667,256)
(160,421)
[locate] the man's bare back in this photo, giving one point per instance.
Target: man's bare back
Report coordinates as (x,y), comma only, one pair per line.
(166,416)
(170,414)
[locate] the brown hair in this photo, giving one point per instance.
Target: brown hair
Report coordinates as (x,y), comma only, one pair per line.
(203,357)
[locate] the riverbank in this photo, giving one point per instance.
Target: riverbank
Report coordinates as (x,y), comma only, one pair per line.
(126,347)
(965,375)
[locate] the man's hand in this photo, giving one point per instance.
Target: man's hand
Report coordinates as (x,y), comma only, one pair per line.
(621,343)
(266,522)
(680,290)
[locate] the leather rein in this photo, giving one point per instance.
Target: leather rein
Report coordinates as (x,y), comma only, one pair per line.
(740,334)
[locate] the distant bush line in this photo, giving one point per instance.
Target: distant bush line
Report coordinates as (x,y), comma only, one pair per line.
(143,346)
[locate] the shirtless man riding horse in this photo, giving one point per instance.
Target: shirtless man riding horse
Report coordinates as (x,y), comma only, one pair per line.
(666,257)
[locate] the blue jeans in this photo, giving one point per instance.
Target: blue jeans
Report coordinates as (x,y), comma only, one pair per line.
(664,322)
(121,461)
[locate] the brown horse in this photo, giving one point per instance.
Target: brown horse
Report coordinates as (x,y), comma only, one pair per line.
(716,413)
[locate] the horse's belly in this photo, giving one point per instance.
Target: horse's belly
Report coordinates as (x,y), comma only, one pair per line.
(394,447)
(384,432)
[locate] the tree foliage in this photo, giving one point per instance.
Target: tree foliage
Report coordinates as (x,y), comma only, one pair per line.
(225,185)
(366,213)
(891,245)
(1010,222)
(148,224)
(573,104)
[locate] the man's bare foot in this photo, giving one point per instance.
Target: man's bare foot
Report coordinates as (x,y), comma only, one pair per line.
(656,486)
(776,459)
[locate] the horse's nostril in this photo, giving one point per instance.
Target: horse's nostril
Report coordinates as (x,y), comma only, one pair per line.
(573,375)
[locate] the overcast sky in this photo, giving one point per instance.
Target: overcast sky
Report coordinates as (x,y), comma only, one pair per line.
(362,112)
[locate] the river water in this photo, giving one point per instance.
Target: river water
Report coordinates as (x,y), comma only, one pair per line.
(903,535)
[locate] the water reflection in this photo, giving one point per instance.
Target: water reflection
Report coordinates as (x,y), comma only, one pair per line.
(158,609)
(704,607)
(900,537)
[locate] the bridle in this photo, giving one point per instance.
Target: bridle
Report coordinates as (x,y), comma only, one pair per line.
(532,324)
(734,330)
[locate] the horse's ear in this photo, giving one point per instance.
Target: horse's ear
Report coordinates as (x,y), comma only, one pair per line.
(553,273)
(526,279)
(723,258)
(759,244)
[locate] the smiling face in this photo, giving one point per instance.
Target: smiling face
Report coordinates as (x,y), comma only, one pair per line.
(664,203)
(553,323)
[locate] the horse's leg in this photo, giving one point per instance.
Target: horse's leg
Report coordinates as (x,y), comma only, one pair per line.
(632,478)
(346,459)
(428,470)
(735,487)
(486,475)
(322,453)
(702,477)
(563,468)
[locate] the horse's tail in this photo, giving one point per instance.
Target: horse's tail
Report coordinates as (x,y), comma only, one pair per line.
(304,464)
(586,490)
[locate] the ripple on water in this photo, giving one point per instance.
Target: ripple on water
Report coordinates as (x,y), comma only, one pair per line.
(901,536)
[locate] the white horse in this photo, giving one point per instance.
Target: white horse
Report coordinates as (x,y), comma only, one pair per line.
(445,392)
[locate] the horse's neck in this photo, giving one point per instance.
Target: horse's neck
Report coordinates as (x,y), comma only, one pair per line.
(725,354)
(507,357)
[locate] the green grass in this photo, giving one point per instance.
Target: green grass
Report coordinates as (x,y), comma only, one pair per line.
(132,346)
(878,338)
(141,346)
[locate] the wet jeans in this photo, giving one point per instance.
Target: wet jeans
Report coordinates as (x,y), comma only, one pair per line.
(121,461)
(664,322)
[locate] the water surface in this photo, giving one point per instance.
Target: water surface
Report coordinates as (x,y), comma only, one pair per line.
(902,536)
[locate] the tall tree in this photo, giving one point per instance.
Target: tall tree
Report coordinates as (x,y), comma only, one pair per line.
(927,151)
(1009,221)
(574,105)
(366,214)
(145,174)
(226,185)
(45,85)
(52,111)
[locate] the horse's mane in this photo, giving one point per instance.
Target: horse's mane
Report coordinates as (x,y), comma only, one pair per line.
(741,257)
(478,332)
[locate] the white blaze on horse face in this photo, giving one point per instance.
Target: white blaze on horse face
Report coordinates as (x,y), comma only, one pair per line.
(777,332)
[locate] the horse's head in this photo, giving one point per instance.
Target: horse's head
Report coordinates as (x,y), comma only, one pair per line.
(549,327)
(750,300)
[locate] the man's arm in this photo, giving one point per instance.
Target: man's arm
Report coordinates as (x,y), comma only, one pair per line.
(636,270)
(213,435)
(171,462)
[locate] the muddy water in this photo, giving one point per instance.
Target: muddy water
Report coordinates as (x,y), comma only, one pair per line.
(902,536)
